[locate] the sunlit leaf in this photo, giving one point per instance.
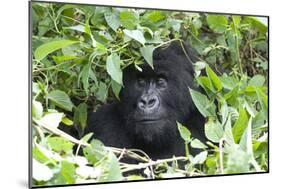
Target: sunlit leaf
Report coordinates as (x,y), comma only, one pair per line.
(136,35)
(147,53)
(205,107)
(113,64)
(218,23)
(61,99)
(47,48)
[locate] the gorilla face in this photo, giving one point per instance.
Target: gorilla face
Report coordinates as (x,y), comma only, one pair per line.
(154,99)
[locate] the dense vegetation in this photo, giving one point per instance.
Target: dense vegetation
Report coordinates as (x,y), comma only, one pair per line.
(79,53)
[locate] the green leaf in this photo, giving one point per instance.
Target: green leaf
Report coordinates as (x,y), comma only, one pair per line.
(256,23)
(263,100)
(41,172)
(228,135)
(112,20)
(236,20)
(184,132)
(155,15)
(205,107)
(199,158)
(68,171)
(113,64)
(257,80)
(214,78)
(116,88)
(102,92)
(85,77)
(47,48)
(205,82)
(228,82)
(217,23)
(39,155)
(213,131)
(95,151)
(197,144)
(128,19)
(147,53)
(61,99)
(114,170)
(51,119)
(59,145)
(136,35)
(37,109)
(67,121)
(81,115)
(237,161)
(240,124)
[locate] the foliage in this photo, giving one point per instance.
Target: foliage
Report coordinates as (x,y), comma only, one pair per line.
(79,52)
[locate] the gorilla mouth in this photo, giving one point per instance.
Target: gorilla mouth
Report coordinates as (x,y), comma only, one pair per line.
(148,121)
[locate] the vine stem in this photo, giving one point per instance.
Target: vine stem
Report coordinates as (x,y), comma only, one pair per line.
(237,47)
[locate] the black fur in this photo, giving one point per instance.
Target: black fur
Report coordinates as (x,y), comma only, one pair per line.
(145,117)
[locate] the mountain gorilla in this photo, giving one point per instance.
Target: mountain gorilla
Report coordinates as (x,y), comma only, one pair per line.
(150,104)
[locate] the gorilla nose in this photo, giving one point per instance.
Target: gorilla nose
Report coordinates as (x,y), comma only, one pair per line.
(148,102)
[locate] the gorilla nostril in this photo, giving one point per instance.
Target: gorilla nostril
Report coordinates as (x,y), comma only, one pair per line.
(147,102)
(151,102)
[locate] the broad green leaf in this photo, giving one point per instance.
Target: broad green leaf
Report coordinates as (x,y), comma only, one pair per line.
(85,77)
(217,23)
(51,119)
(246,139)
(68,171)
(155,15)
(59,144)
(214,78)
(41,172)
(255,22)
(228,82)
(136,35)
(240,124)
(113,64)
(184,132)
(37,109)
(197,144)
(213,131)
(228,135)
(199,158)
(147,53)
(116,88)
(81,115)
(128,19)
(94,152)
(61,99)
(102,92)
(39,154)
(205,107)
(237,161)
(257,80)
(205,82)
(112,20)
(114,170)
(47,48)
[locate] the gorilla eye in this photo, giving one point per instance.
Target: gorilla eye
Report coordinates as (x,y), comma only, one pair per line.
(141,80)
(161,81)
